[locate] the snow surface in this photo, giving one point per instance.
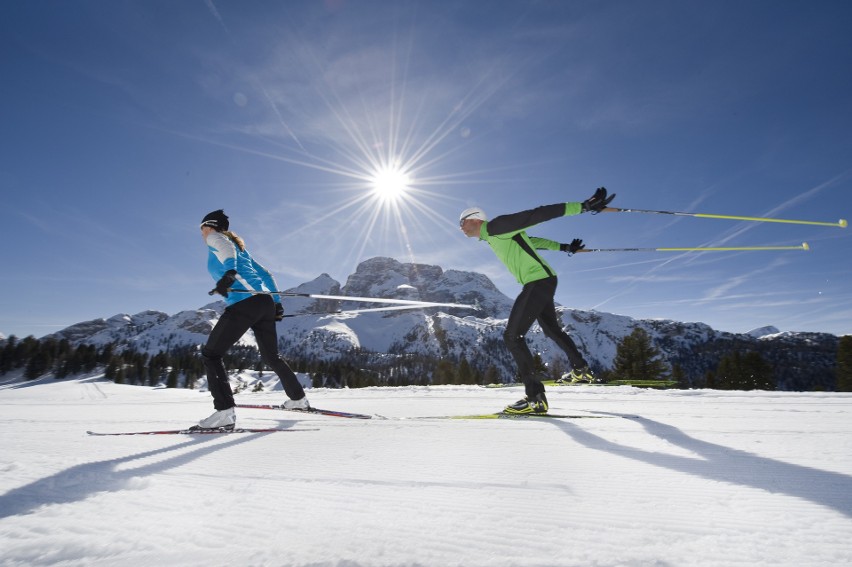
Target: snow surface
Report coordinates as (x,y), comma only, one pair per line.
(700,478)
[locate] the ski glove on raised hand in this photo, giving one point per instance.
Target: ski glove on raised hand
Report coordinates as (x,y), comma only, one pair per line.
(224,283)
(597,202)
(575,246)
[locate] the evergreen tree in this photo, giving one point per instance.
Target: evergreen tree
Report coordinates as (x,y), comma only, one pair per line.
(121,375)
(106,353)
(637,359)
(24,351)
(74,362)
(7,355)
(172,379)
(539,368)
(445,373)
(556,369)
(491,376)
(143,376)
(744,372)
(112,367)
(192,377)
(727,373)
(40,362)
(88,357)
(844,364)
(61,367)
(679,376)
(710,380)
(466,374)
(63,349)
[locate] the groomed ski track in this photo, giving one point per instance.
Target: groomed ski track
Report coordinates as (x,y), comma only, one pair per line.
(701,478)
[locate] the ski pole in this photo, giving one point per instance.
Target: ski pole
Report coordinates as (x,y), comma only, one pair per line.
(841,223)
(413,302)
(802,246)
(357,311)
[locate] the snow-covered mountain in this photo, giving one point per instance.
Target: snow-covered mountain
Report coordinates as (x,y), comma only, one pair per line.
(314,332)
(761,332)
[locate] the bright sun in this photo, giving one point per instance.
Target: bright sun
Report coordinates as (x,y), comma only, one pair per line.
(389,183)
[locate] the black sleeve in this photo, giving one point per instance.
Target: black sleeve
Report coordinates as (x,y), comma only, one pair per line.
(525,219)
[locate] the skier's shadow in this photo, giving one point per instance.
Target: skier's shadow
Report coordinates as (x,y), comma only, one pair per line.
(716,462)
(82,481)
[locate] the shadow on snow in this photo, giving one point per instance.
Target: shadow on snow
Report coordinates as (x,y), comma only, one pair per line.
(830,489)
(82,481)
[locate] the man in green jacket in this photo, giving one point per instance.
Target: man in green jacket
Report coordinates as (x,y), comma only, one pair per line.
(508,239)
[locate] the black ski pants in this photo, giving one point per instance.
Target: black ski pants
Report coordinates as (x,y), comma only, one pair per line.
(535,303)
(258,314)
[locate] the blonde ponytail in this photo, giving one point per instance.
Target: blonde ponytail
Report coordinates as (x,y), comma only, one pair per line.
(235,238)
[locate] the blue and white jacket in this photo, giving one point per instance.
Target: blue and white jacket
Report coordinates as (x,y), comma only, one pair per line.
(226,255)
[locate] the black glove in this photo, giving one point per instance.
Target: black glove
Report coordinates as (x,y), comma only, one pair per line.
(597,202)
(224,283)
(279,311)
(575,246)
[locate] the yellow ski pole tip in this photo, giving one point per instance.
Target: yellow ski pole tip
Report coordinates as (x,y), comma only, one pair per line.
(805,246)
(843,223)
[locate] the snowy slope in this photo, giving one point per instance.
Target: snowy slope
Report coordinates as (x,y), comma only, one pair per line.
(700,478)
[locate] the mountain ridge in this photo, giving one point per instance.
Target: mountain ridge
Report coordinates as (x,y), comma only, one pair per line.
(315,332)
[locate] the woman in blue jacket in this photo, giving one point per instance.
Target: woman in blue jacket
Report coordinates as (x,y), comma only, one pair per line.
(233,269)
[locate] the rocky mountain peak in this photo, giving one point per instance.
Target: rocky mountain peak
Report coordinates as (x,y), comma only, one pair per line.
(389,278)
(322,285)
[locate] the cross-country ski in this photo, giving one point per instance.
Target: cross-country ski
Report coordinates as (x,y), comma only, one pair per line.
(310,410)
(501,415)
(198,431)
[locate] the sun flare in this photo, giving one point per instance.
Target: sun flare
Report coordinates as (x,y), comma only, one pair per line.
(390,183)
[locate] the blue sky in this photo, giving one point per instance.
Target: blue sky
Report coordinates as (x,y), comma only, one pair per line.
(125,122)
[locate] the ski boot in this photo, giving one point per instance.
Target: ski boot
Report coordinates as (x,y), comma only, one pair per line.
(536,405)
(300,404)
(578,376)
(223,419)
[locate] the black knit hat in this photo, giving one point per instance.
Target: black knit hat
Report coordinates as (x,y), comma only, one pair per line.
(217,219)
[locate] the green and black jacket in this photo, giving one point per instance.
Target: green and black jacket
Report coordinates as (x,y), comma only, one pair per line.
(507,236)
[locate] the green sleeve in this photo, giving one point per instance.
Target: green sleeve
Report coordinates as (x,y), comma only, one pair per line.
(573,209)
(544,243)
